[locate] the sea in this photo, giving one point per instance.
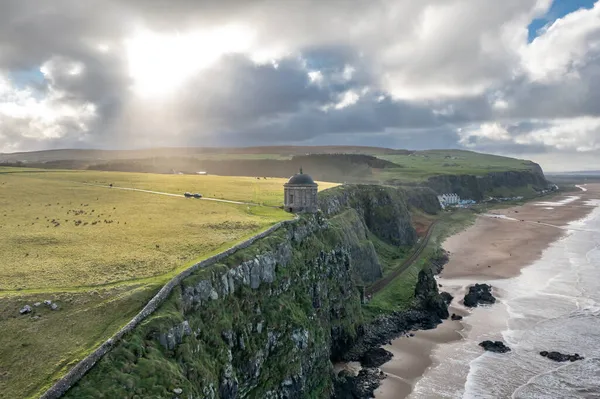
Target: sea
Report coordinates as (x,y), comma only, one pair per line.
(553,305)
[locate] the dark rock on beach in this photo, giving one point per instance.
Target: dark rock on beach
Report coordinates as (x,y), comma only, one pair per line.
(429,311)
(427,294)
(454,316)
(561,357)
(375,357)
(479,294)
(494,346)
(446,297)
(361,386)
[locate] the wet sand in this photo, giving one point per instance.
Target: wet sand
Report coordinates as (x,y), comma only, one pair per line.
(498,245)
(412,356)
(501,243)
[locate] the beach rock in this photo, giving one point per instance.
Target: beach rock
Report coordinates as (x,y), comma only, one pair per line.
(494,346)
(344,373)
(560,357)
(375,357)
(25,309)
(456,317)
(446,297)
(479,294)
(361,386)
(427,294)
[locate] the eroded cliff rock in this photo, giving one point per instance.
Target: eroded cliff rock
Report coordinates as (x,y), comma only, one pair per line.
(268,319)
(476,186)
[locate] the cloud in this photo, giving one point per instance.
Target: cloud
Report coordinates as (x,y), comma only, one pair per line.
(131,73)
(575,134)
(26,119)
(566,46)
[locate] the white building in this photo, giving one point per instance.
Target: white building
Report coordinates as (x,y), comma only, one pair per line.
(448,199)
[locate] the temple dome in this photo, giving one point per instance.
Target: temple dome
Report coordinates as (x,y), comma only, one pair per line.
(301,179)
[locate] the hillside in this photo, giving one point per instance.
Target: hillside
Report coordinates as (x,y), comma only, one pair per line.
(100,244)
(100,253)
(331,163)
(265,321)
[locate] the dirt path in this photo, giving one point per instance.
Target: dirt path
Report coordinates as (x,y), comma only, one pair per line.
(167,194)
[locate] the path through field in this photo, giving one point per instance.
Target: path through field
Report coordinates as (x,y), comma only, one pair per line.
(168,194)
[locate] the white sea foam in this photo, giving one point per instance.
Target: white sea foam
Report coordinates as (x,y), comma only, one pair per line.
(497,216)
(565,201)
(552,305)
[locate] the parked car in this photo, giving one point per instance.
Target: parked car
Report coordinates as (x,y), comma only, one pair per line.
(188,195)
(196,195)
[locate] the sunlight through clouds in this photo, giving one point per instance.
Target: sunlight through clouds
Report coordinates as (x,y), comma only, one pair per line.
(464,73)
(159,63)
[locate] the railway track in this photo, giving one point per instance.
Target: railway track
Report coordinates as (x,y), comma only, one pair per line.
(380,284)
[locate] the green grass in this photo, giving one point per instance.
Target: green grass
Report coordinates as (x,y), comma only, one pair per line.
(389,255)
(234,188)
(424,164)
(55,233)
(399,294)
(101,253)
(35,351)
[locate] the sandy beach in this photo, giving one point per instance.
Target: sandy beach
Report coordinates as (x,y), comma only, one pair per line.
(497,246)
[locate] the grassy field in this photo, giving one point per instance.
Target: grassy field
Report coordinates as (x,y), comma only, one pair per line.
(245,189)
(55,233)
(101,253)
(412,166)
(423,164)
(36,349)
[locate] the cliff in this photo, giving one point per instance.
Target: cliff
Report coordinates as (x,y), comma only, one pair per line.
(477,187)
(266,321)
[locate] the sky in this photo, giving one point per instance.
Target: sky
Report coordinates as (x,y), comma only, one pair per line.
(513,77)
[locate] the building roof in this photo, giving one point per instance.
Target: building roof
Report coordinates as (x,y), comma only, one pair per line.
(301,179)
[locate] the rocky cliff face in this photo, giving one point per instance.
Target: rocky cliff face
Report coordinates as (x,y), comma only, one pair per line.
(266,321)
(475,187)
(384,210)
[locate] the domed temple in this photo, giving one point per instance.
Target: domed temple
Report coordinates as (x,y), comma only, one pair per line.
(300,193)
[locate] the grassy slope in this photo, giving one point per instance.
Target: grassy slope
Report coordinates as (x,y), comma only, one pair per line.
(35,351)
(414,166)
(424,164)
(71,264)
(398,295)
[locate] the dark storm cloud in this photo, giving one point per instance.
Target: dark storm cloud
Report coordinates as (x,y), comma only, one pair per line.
(575,96)
(32,31)
(375,72)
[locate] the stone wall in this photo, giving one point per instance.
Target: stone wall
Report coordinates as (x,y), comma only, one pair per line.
(79,370)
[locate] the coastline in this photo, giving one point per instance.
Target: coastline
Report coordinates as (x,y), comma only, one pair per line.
(497,246)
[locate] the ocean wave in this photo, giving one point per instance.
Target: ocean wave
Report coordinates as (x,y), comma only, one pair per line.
(573,380)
